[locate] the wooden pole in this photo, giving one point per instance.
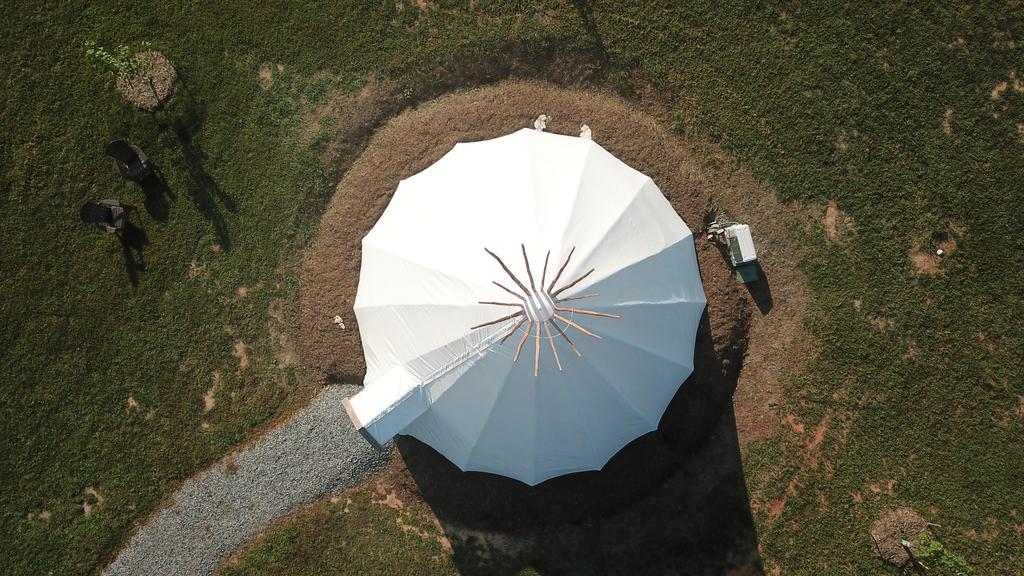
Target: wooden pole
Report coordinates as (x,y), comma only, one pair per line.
(571,298)
(566,336)
(577,326)
(502,319)
(519,348)
(507,271)
(513,330)
(571,284)
(587,312)
(509,290)
(533,286)
(560,270)
(551,341)
(536,353)
(545,273)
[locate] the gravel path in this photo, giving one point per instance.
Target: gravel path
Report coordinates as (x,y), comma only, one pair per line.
(315,453)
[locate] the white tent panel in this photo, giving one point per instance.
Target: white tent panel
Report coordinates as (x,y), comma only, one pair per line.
(612,420)
(506,444)
(423,355)
(643,229)
(560,421)
(555,166)
(643,378)
(460,389)
(455,421)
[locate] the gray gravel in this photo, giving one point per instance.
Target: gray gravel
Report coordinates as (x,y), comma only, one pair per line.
(315,453)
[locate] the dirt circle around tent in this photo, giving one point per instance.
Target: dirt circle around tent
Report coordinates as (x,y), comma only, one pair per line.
(416,138)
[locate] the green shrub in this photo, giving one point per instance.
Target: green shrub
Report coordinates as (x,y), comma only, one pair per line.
(936,558)
(121,62)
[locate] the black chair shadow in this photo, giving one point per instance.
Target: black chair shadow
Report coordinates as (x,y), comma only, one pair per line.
(157,194)
(672,498)
(133,242)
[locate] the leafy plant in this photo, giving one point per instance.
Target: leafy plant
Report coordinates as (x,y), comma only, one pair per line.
(122,62)
(934,556)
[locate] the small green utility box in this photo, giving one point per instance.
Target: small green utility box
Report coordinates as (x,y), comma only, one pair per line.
(747,273)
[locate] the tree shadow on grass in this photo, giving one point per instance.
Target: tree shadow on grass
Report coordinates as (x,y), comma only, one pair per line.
(184,119)
(672,501)
(586,14)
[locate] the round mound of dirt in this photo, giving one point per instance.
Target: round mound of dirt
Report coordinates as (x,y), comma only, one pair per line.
(415,139)
(154,85)
(890,530)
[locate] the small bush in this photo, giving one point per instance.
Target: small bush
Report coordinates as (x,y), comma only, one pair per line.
(936,558)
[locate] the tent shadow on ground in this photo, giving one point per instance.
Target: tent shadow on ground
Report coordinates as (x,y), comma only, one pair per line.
(674,500)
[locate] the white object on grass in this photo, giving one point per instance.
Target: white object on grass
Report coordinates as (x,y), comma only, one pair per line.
(541,122)
(339,322)
(741,244)
(585,132)
(528,305)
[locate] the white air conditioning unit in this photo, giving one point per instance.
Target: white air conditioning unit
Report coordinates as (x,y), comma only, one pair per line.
(741,244)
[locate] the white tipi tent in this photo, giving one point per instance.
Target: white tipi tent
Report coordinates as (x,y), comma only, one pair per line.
(528,305)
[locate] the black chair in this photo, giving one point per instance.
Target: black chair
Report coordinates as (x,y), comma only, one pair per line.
(129,160)
(108,215)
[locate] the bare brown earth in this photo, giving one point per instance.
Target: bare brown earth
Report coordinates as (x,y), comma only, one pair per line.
(836,222)
(779,343)
(149,90)
(266,73)
(925,258)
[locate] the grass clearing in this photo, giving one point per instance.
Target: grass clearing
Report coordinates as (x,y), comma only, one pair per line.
(913,396)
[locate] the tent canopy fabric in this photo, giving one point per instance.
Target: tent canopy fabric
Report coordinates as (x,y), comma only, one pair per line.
(528,305)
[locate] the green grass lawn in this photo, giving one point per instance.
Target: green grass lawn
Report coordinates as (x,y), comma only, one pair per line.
(922,384)
(352,535)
